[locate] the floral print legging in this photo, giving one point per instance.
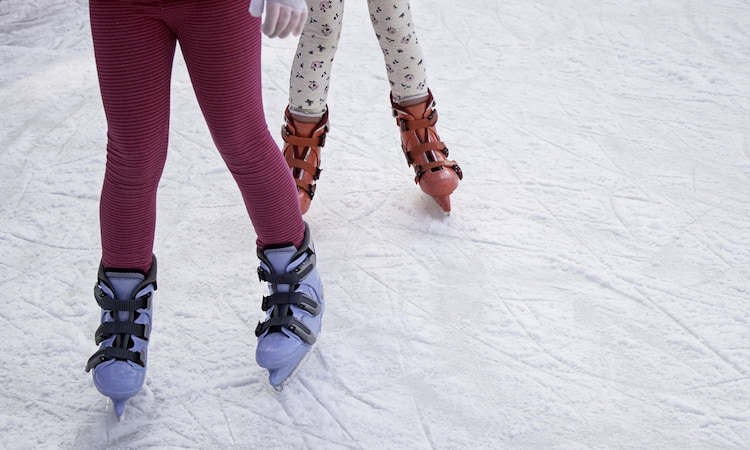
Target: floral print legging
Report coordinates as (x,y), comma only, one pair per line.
(394,29)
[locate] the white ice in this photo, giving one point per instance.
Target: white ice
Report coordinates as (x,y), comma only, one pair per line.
(589,290)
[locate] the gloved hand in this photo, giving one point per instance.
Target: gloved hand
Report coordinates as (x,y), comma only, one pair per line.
(282,16)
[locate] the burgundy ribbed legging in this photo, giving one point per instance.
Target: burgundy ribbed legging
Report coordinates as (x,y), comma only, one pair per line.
(134,44)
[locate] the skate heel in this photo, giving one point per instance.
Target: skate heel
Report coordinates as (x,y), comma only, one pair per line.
(294,309)
(119,366)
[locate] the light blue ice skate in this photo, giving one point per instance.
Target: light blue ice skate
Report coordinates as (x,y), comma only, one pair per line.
(119,367)
(294,310)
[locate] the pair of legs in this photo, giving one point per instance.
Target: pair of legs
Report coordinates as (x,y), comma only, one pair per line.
(134,45)
(306,116)
(394,29)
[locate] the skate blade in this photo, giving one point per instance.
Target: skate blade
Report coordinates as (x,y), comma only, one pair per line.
(434,207)
(285,382)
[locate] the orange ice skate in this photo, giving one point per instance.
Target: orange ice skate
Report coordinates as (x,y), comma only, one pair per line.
(302,144)
(436,175)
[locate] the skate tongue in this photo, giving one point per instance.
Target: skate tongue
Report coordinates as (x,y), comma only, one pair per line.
(280,258)
(124,285)
(417,111)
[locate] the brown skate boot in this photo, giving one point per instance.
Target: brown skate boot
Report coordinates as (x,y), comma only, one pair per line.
(436,175)
(302,144)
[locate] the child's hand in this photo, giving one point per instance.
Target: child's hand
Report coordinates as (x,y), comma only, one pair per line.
(282,16)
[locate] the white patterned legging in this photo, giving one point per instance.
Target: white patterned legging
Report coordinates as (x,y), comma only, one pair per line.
(394,29)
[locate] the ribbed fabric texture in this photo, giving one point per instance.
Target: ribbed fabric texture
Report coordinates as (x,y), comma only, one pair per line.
(134,44)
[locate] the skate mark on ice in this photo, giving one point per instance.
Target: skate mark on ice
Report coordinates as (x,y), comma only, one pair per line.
(643,297)
(237,382)
(718,384)
(575,368)
(348,391)
(563,148)
(44,244)
(327,410)
(388,287)
(422,424)
(579,378)
(711,418)
(694,335)
(241,403)
(307,430)
(197,421)
(227,423)
(188,438)
(13,322)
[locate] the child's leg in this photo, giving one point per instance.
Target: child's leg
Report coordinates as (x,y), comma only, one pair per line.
(221,43)
(404,63)
(311,68)
(412,102)
(134,52)
(306,118)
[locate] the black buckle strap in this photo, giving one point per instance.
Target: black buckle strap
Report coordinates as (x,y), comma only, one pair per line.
(458,171)
(107,329)
(310,191)
(298,299)
(108,303)
(289,322)
(108,353)
(298,274)
(416,124)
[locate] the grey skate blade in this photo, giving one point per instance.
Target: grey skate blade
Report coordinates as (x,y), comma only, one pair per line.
(280,387)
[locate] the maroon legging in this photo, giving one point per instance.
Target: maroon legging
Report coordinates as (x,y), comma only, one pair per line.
(134,44)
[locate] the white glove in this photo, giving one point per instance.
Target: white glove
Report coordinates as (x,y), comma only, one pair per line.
(282,16)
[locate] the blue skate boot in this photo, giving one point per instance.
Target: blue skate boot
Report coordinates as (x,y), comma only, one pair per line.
(120,364)
(294,310)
